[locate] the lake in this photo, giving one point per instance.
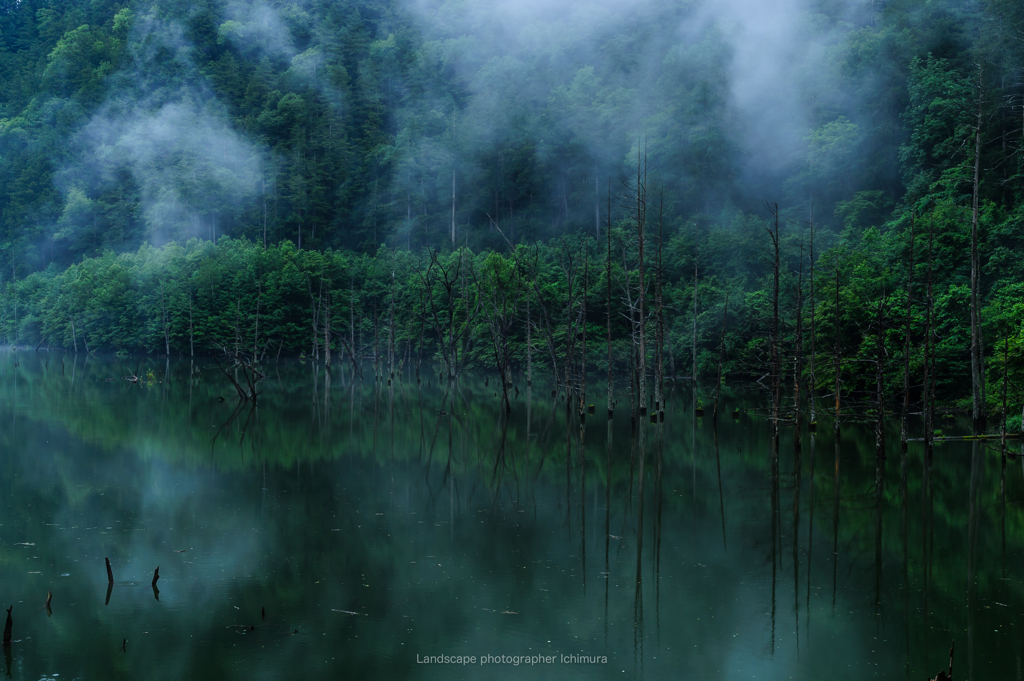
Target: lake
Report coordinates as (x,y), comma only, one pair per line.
(355,529)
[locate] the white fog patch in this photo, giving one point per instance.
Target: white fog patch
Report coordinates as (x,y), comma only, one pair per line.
(772,58)
(257,27)
(192,170)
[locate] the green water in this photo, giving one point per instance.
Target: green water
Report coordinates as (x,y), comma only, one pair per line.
(377,525)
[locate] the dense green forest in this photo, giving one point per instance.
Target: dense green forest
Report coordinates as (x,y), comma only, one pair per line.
(445,180)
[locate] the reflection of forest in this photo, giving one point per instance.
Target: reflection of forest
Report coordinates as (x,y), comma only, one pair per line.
(907,538)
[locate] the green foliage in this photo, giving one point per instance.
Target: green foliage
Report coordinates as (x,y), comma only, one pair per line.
(179,178)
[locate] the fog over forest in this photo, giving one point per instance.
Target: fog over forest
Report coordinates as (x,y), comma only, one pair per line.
(372,134)
(156,122)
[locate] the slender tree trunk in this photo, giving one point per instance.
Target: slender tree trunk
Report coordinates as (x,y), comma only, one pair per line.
(352,321)
(775,344)
(879,359)
(977,350)
(798,353)
(693,340)
(1006,377)
(929,356)
(419,346)
(327,331)
(238,330)
(529,341)
(583,353)
(191,332)
(659,363)
(256,334)
(163,318)
(906,343)
(608,306)
(721,359)
(641,219)
(811,385)
(453,206)
(391,330)
(836,354)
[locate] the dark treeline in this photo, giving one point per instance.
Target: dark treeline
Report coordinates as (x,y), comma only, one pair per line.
(440,180)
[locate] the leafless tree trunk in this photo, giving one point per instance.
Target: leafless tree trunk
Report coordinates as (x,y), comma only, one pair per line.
(659,361)
(327,330)
(977,350)
(583,349)
(529,341)
(1006,377)
(641,219)
(879,365)
(906,343)
(810,378)
(721,359)
(773,235)
(836,356)
(693,368)
(191,333)
(798,350)
(256,334)
(608,275)
(929,356)
(391,330)
(164,319)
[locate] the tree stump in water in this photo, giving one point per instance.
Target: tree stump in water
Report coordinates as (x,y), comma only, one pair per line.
(943,676)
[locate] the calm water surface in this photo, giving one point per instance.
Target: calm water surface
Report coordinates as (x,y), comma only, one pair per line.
(376,525)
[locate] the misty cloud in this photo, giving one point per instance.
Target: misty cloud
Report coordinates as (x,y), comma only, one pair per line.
(772,58)
(257,27)
(191,169)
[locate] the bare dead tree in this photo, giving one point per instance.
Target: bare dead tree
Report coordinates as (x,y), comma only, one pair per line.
(798,347)
(659,362)
(608,276)
(776,263)
(641,223)
(721,359)
(811,385)
(978,411)
(451,332)
(836,357)
(880,314)
(929,355)
(502,285)
(906,343)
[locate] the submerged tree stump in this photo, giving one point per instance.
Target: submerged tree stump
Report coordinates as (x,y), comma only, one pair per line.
(943,676)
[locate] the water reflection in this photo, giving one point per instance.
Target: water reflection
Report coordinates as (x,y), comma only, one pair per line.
(344,526)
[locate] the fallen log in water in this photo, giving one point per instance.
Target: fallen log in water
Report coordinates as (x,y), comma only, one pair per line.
(964,438)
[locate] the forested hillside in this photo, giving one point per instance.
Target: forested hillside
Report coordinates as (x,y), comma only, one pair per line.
(436,179)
